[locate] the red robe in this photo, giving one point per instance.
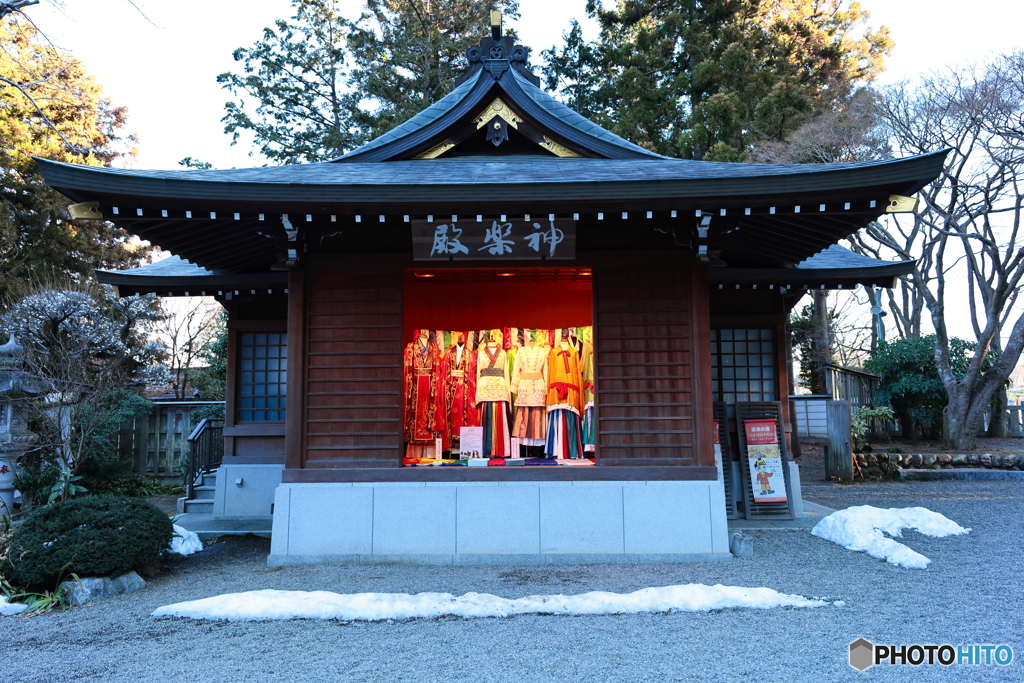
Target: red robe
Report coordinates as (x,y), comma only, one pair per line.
(459,393)
(423,404)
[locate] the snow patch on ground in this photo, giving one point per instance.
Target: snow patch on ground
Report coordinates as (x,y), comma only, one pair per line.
(9,608)
(185,542)
(275,604)
(863,528)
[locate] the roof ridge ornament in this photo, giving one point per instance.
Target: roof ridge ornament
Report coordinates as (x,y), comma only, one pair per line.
(496,54)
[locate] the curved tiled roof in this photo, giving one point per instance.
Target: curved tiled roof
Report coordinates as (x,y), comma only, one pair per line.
(417,122)
(548,114)
(356,178)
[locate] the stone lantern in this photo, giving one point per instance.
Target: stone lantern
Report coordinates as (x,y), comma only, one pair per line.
(16,388)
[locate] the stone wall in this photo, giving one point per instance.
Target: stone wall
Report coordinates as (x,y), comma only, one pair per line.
(875,464)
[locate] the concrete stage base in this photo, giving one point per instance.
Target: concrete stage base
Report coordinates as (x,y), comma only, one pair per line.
(500,523)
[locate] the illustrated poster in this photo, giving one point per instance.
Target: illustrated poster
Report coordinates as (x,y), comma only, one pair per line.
(764,457)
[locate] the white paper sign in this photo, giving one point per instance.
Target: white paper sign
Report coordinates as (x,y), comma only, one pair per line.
(471,442)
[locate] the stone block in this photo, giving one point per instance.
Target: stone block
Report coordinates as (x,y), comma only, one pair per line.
(90,589)
(253,498)
(668,519)
(329,520)
(741,545)
(581,519)
(499,520)
(414,521)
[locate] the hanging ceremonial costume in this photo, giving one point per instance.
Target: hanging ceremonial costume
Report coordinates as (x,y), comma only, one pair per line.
(493,398)
(564,402)
(459,372)
(587,354)
(530,385)
(423,407)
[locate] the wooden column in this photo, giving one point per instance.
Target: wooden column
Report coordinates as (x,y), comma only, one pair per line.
(295,417)
(704,444)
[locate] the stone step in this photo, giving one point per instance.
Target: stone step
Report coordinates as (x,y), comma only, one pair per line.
(210,479)
(205,492)
(201,506)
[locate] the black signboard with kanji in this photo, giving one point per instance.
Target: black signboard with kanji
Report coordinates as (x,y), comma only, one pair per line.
(538,239)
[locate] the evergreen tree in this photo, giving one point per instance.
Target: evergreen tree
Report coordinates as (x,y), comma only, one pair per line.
(319,84)
(292,94)
(408,53)
(51,107)
(705,80)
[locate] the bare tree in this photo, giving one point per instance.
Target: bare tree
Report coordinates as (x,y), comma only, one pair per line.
(187,331)
(969,226)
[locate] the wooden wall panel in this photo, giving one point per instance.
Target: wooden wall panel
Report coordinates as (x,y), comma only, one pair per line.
(643,340)
(352,366)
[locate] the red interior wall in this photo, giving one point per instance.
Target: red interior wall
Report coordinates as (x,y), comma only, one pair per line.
(446,305)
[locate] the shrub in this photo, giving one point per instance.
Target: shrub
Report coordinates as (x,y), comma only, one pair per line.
(910,380)
(93,536)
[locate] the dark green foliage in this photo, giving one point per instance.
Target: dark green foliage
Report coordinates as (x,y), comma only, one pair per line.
(214,412)
(910,380)
(322,84)
(95,536)
(97,424)
(804,328)
(706,80)
(296,76)
(35,483)
(406,55)
(38,238)
(209,381)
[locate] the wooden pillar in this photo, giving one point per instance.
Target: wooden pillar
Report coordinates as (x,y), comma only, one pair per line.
(295,422)
(703,399)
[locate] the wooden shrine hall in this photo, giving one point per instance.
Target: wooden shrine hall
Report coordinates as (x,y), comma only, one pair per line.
(500,332)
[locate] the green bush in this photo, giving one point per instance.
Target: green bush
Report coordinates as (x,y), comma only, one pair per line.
(910,380)
(96,536)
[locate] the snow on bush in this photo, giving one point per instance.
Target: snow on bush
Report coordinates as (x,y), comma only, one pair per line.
(185,542)
(863,528)
(276,604)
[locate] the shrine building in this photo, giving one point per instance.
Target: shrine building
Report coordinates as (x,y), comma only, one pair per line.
(499,332)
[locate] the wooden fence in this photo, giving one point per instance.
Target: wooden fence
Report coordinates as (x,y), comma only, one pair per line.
(158,444)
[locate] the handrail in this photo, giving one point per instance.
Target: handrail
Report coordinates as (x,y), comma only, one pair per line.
(206,450)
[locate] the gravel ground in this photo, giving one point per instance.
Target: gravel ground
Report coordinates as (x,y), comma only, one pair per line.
(972,593)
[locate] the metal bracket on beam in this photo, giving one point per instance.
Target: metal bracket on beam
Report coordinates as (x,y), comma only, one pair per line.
(85,210)
(901,204)
(702,238)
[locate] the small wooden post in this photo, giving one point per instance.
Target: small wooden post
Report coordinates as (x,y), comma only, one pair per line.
(839,456)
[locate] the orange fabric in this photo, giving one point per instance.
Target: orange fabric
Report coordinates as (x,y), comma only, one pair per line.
(565,379)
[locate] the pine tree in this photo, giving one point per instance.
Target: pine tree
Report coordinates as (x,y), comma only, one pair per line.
(296,77)
(50,107)
(705,80)
(319,84)
(408,53)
